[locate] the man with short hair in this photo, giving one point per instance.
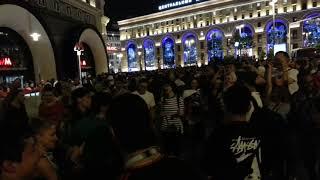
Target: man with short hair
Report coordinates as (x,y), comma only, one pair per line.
(244,146)
(289,75)
(147,96)
(143,92)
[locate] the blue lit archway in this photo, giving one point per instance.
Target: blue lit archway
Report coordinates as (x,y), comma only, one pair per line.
(311,30)
(215,44)
(190,54)
(132,57)
(276,37)
(243,40)
(168,52)
(149,55)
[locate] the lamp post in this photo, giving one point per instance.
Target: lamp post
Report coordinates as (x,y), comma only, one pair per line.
(120,55)
(35,37)
(273,4)
(240,27)
(237,44)
(78,48)
(189,43)
(140,61)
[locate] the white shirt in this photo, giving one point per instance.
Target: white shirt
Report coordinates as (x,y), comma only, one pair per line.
(293,87)
(147,97)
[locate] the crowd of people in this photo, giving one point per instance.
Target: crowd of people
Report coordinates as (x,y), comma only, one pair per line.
(236,120)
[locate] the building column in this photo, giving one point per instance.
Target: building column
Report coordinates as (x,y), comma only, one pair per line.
(104,21)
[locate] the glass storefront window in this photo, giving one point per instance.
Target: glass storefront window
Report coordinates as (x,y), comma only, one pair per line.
(168,52)
(276,37)
(132,57)
(243,41)
(190,50)
(87,61)
(311,31)
(15,57)
(215,44)
(149,55)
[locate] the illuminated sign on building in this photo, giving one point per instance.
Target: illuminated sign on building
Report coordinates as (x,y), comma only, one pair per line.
(83,63)
(112,48)
(177,4)
(5,61)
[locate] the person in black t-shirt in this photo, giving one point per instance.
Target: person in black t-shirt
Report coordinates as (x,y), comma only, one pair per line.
(238,148)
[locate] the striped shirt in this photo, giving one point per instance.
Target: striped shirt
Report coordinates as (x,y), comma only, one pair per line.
(169,113)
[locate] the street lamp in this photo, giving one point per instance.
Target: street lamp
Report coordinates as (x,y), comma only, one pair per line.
(273,4)
(35,36)
(140,61)
(120,55)
(237,44)
(189,43)
(78,48)
(240,27)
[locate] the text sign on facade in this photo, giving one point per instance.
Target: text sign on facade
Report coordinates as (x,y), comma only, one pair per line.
(112,48)
(5,62)
(177,4)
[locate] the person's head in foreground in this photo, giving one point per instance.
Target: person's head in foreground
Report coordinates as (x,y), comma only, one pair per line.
(18,155)
(131,123)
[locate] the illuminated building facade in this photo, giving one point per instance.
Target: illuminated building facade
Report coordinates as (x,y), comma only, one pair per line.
(47,39)
(211,30)
(113,45)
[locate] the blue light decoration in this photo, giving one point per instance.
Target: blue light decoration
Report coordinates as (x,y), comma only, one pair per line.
(311,30)
(214,42)
(276,37)
(243,40)
(168,52)
(132,57)
(149,54)
(190,49)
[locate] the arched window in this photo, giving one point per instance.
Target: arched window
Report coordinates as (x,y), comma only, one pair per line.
(276,37)
(149,55)
(132,57)
(190,49)
(311,31)
(243,40)
(168,52)
(214,43)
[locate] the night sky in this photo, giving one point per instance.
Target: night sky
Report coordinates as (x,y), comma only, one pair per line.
(116,9)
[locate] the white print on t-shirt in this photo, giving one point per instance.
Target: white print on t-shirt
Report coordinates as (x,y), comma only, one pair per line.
(243,148)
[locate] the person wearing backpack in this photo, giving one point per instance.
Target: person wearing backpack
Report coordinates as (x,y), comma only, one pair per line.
(171,116)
